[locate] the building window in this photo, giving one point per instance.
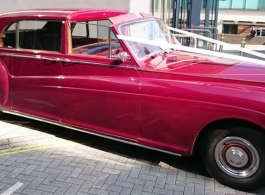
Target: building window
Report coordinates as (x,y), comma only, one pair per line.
(225,4)
(262,4)
(252,4)
(230,29)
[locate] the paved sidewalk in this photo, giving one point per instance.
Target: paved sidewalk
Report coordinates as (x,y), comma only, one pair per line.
(42,159)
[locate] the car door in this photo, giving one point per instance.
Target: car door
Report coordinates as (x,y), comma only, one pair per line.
(99,93)
(36,69)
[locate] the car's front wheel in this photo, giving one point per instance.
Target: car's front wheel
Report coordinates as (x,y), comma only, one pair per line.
(235,157)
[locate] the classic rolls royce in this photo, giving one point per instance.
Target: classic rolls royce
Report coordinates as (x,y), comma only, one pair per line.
(127,77)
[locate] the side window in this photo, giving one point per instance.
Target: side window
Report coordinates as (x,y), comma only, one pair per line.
(40,35)
(8,37)
(92,38)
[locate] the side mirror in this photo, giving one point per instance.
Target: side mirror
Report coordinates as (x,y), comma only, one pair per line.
(124,56)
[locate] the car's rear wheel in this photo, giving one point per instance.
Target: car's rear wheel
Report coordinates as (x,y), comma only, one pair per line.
(235,157)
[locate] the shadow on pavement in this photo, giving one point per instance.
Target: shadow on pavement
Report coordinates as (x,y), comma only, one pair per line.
(191,164)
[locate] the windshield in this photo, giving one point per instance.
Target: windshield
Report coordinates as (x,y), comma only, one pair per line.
(151,30)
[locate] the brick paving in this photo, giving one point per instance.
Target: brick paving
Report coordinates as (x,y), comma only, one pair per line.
(50,160)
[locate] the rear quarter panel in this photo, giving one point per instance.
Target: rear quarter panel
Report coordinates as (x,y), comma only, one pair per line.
(4,84)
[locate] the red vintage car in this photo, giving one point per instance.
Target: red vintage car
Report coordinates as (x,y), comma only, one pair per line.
(125,77)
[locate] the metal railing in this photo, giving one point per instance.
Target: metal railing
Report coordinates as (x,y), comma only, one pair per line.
(213,44)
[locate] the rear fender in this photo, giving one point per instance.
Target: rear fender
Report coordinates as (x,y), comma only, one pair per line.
(4,84)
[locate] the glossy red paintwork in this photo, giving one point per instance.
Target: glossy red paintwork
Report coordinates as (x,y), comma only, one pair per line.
(163,102)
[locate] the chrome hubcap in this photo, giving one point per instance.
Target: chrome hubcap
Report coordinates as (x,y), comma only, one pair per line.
(237,157)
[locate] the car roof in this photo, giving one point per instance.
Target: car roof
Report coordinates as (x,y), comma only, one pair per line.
(65,14)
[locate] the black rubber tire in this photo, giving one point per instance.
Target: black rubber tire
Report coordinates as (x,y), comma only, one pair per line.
(256,138)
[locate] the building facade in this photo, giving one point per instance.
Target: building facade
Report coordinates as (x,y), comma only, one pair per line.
(232,17)
(240,16)
(128,5)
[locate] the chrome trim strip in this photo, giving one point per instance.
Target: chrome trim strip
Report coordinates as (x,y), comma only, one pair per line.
(128,141)
(64,60)
(98,64)
(5,54)
(38,57)
(17,34)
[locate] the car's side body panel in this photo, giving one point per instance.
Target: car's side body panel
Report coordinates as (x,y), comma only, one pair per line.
(175,108)
(102,95)
(36,83)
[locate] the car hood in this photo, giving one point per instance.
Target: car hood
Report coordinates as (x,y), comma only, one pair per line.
(201,65)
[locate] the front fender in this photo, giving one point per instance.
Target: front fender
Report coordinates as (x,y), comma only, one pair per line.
(4,84)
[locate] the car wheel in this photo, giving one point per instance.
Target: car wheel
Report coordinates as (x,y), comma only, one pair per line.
(235,157)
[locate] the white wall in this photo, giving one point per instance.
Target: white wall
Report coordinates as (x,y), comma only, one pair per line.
(140,6)
(12,5)
(240,16)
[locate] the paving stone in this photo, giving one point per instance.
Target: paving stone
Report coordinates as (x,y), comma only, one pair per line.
(163,191)
(67,160)
(135,180)
(189,191)
(2,185)
(123,176)
(171,179)
(3,174)
(181,176)
(124,184)
(174,187)
(9,161)
(147,177)
(99,182)
(72,190)
(145,169)
(29,191)
(135,172)
(125,191)
(111,179)
(199,189)
(111,171)
(54,164)
(76,172)
(60,191)
(98,191)
(100,166)
(61,184)
(186,184)
(224,190)
(29,169)
(25,177)
(195,180)
(42,166)
(36,182)
(160,182)
(75,180)
(47,193)
(87,177)
(149,186)
(39,174)
(63,175)
(113,188)
(47,188)
(86,186)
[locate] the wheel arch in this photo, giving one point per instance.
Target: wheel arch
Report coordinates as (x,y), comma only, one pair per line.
(4,84)
(224,123)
